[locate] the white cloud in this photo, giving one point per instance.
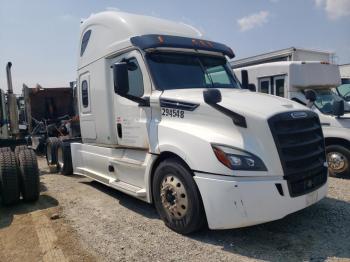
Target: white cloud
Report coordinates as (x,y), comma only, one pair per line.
(334,8)
(253,20)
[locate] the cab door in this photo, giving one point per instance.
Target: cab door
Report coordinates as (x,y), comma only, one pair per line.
(132,120)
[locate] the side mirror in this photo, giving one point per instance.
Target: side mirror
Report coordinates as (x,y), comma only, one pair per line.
(212,96)
(245,80)
(310,95)
(120,78)
(252,87)
(338,108)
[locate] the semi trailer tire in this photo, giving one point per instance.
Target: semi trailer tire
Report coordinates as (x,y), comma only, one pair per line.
(51,152)
(64,158)
(9,180)
(338,158)
(17,150)
(177,198)
(29,175)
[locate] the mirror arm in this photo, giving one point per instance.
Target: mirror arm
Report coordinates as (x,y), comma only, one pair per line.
(142,101)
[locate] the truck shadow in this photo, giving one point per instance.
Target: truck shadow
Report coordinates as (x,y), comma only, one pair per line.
(313,234)
(125,200)
(7,213)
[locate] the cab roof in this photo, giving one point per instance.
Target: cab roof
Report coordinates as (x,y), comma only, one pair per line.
(108,32)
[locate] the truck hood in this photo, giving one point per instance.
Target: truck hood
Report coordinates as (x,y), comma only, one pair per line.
(202,124)
(238,100)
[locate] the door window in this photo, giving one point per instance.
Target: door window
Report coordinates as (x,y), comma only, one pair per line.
(135,78)
(85,93)
(84,89)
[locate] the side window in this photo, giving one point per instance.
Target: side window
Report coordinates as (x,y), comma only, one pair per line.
(85,94)
(264,85)
(84,42)
(344,91)
(218,76)
(135,78)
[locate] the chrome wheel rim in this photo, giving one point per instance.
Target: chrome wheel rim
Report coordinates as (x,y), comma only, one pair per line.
(337,162)
(60,157)
(174,197)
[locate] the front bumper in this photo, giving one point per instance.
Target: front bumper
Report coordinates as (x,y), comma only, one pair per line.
(232,202)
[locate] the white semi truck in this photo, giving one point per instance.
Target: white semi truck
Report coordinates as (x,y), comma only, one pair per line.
(295,80)
(164,119)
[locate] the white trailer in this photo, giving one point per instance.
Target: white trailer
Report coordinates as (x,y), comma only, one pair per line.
(283,55)
(292,80)
(163,119)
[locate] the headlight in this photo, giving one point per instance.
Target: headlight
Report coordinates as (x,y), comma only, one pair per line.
(237,159)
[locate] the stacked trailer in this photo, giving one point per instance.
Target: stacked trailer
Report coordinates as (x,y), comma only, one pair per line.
(52,121)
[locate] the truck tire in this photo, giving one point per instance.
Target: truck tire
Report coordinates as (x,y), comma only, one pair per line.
(64,158)
(338,158)
(5,149)
(29,175)
(17,150)
(9,180)
(51,151)
(177,198)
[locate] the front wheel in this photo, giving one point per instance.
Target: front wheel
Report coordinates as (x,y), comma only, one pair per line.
(177,198)
(338,158)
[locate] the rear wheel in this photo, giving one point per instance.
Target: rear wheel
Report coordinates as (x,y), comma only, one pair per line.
(17,150)
(51,152)
(5,149)
(9,178)
(338,158)
(29,174)
(64,158)
(177,198)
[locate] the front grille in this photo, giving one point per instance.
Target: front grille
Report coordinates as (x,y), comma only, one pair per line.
(299,140)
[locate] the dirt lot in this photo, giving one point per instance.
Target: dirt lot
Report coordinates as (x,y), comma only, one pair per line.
(97,223)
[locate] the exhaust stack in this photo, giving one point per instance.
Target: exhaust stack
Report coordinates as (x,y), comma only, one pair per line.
(12,103)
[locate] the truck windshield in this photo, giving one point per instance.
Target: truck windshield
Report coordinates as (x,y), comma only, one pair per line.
(181,71)
(324,101)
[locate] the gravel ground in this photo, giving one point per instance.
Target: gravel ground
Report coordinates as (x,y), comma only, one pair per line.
(116,227)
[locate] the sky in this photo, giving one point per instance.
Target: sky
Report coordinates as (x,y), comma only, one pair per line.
(40,37)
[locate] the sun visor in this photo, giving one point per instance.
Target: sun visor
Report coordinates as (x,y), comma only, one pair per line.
(157,41)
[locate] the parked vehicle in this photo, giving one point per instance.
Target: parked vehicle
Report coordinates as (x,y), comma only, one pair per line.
(293,80)
(164,119)
(19,173)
